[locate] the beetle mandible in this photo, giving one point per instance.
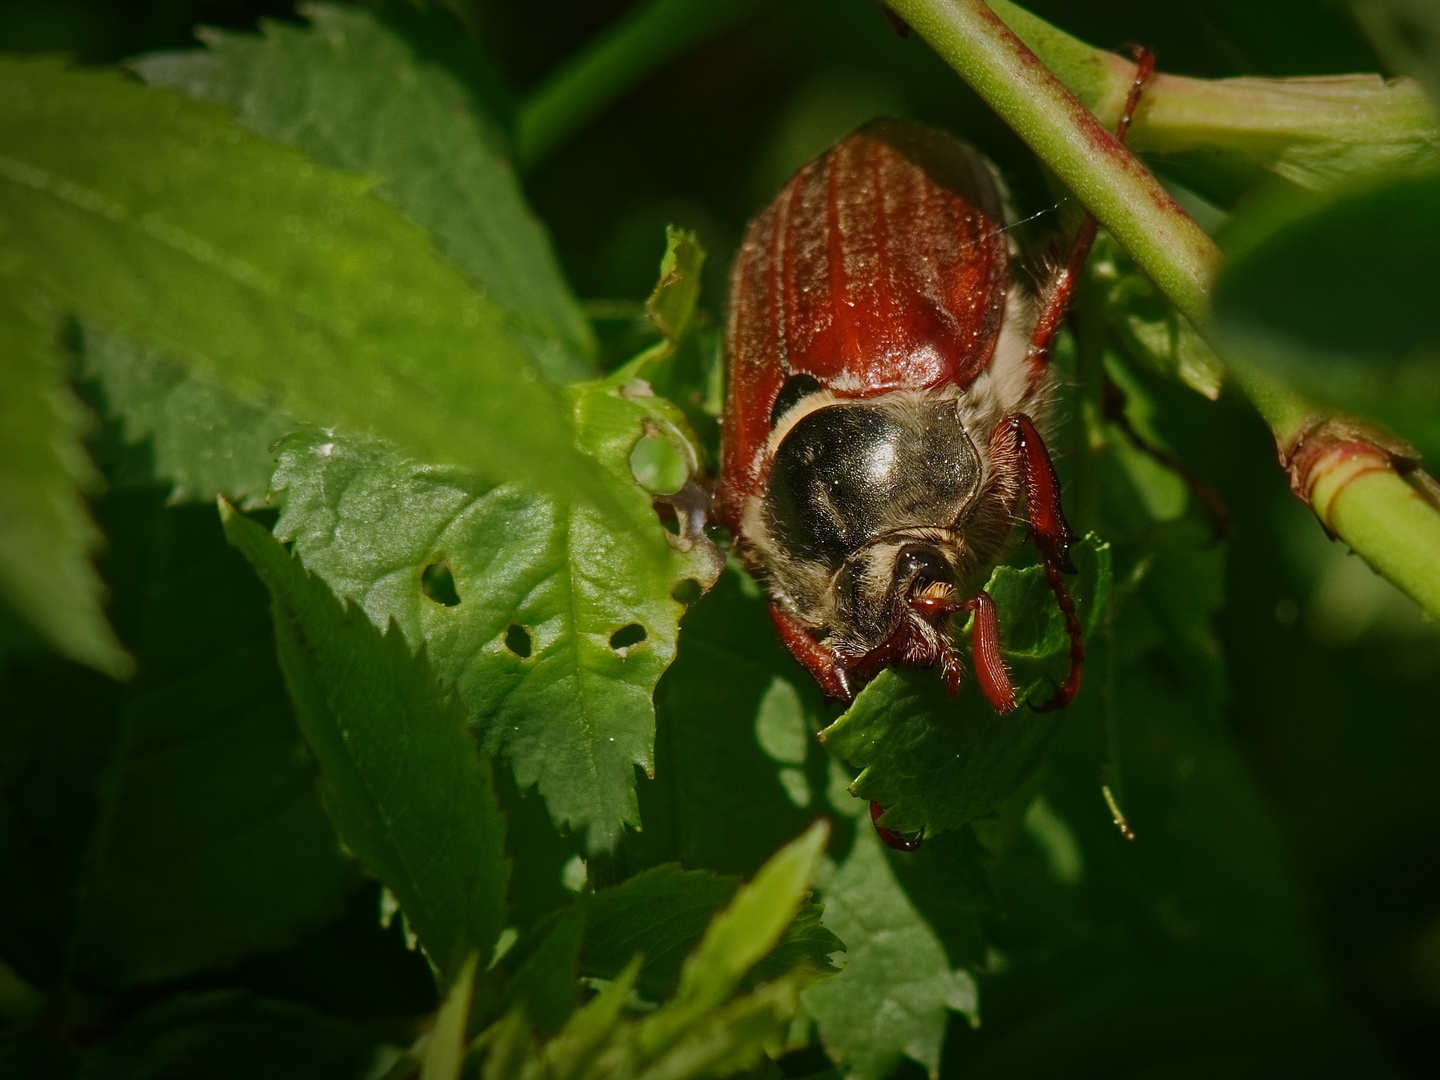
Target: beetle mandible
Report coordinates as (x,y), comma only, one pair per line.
(888,382)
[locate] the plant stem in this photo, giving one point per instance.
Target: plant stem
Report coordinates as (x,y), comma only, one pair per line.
(1112,183)
(1314,132)
(614,62)
(1358,496)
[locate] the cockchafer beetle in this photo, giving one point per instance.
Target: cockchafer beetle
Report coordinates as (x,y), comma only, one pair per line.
(889,380)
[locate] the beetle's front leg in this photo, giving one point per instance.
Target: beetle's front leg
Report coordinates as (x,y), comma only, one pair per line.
(1051,534)
(990,668)
(1038,479)
(814,657)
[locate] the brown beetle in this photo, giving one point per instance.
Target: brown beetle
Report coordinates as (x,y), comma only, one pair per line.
(888,381)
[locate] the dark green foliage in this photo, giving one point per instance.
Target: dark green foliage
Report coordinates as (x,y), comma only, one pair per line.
(719,799)
(106,202)
(168,826)
(1351,330)
(661,915)
(228,1035)
(506,779)
(545,984)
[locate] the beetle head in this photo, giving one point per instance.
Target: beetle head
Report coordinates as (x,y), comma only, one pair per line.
(863,516)
(894,598)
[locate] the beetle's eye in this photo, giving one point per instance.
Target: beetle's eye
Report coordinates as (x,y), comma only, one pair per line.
(918,565)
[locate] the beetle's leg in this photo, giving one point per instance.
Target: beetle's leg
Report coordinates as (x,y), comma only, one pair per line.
(1048,527)
(985,647)
(1067,691)
(814,657)
(952,669)
(893,650)
(889,837)
(1051,534)
(1057,298)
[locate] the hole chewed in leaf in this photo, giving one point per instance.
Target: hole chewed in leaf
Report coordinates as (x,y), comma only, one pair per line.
(517,640)
(687,592)
(626,636)
(438,583)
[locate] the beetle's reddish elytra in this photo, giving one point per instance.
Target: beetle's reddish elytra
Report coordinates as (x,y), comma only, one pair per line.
(889,379)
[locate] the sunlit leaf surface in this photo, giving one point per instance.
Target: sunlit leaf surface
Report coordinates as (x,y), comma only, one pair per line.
(552,626)
(354,94)
(46,535)
(285,281)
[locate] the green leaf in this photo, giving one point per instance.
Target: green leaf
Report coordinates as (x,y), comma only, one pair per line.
(546,983)
(170,826)
(739,937)
(659,915)
(1337,301)
(703,1031)
(684,365)
(1149,328)
(893,998)
(355,95)
(399,774)
(176,427)
(733,1037)
(662,914)
(610,64)
(445,1046)
(752,698)
(935,764)
(948,880)
(805,951)
(223,1033)
(286,282)
(570,1053)
(753,922)
(46,535)
(1032,627)
(562,625)
(672,305)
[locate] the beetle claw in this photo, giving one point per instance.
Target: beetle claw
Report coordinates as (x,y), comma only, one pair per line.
(896,841)
(1055,702)
(952,669)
